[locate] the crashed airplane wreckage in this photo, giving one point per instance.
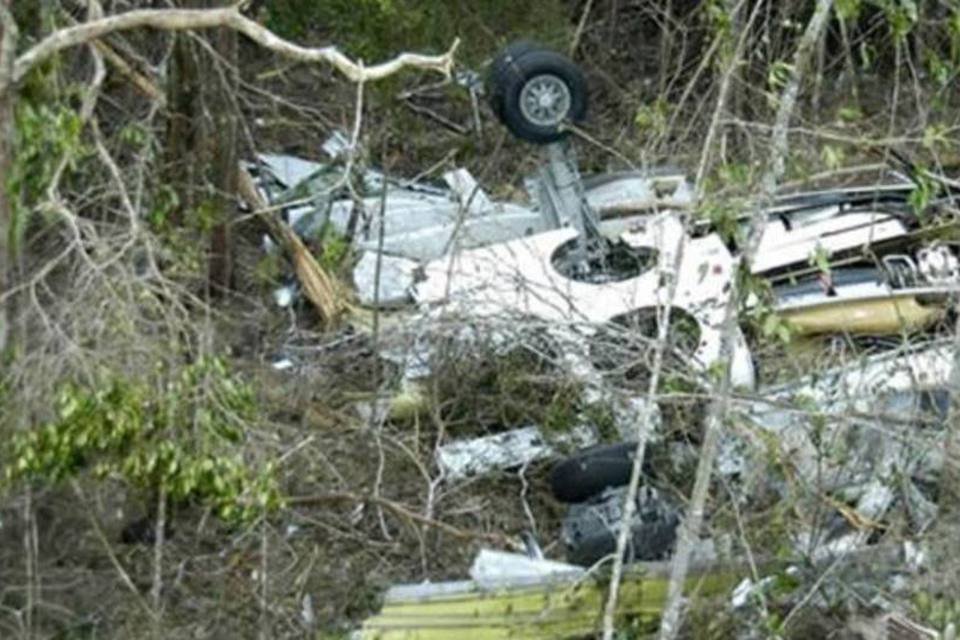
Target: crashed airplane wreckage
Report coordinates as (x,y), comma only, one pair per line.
(586,260)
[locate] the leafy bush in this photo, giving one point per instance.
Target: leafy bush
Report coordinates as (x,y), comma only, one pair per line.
(186,439)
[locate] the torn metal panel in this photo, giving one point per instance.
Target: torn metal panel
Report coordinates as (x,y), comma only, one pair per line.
(508,450)
(289,170)
(854,432)
(900,294)
(531,606)
(396,278)
(562,200)
(522,278)
(924,367)
(492,569)
(519,447)
(424,222)
(631,191)
(828,230)
(847,397)
(430,231)
(471,198)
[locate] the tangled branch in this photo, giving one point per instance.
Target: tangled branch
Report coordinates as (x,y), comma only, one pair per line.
(231,18)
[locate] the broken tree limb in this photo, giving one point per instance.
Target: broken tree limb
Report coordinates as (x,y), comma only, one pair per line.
(143,84)
(719,407)
(197,19)
(137,79)
(319,286)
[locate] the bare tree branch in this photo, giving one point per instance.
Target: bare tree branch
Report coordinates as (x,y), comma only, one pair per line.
(196,19)
(719,408)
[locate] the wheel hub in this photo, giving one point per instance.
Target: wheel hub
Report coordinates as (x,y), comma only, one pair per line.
(545,100)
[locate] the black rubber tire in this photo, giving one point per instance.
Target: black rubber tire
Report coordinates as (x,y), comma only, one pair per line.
(510,72)
(495,75)
(589,472)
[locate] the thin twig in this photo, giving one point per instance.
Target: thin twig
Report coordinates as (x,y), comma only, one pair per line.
(400,510)
(581,25)
(124,576)
(719,408)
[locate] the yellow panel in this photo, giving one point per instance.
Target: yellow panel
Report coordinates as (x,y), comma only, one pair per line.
(560,611)
(871,316)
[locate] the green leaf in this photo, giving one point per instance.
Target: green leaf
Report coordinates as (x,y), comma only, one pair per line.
(779,74)
(850,113)
(848,10)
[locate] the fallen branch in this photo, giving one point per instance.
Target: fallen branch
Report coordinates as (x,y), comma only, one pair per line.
(320,288)
(137,79)
(433,115)
(231,18)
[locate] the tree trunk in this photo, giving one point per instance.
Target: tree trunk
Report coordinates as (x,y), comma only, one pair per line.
(225,160)
(201,144)
(8,38)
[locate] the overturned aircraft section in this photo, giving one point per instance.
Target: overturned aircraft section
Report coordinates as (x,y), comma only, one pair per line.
(852,280)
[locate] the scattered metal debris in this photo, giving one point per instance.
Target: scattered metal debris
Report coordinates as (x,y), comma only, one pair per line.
(384,281)
(589,529)
(513,596)
(592,259)
(508,450)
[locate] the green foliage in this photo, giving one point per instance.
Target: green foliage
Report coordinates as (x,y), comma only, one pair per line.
(334,248)
(850,113)
(758,309)
(953,29)
(136,135)
(724,217)
(46,135)
(206,215)
(719,16)
(848,10)
(936,610)
(561,413)
(833,157)
(734,174)
(901,16)
(820,258)
(779,75)
(377,29)
(651,119)
(269,269)
(868,54)
(943,72)
(187,439)
(922,194)
(936,137)
(163,206)
(603,418)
